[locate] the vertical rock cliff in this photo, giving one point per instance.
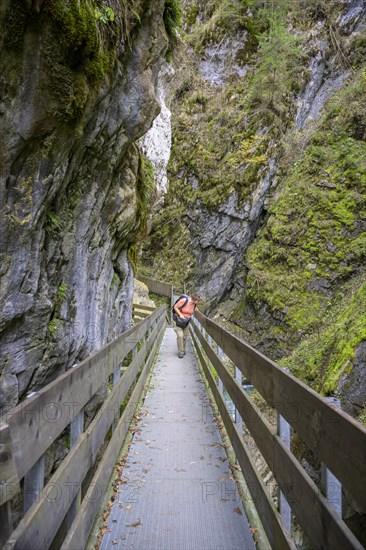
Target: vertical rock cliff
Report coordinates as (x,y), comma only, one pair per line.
(78,89)
(264,214)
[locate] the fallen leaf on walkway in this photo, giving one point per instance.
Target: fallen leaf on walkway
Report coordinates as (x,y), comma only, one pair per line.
(129,506)
(238,511)
(192,462)
(114,542)
(134,524)
(253,530)
(145,470)
(137,453)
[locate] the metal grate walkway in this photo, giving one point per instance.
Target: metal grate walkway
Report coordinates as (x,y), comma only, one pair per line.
(178,492)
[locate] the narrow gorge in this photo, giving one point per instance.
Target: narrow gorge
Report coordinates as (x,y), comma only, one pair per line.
(259,112)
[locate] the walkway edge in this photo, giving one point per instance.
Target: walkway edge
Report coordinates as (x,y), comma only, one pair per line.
(260,538)
(93,539)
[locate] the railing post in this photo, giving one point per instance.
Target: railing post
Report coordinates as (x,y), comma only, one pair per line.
(10,487)
(116,379)
(220,353)
(33,484)
(284,431)
(76,429)
(330,485)
(238,418)
(5,522)
(171,305)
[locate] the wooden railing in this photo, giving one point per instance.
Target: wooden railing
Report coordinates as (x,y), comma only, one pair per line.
(158,287)
(67,504)
(140,311)
(335,438)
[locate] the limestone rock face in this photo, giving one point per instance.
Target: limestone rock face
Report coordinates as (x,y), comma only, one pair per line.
(69,211)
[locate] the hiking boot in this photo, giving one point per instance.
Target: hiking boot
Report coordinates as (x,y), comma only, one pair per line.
(180,355)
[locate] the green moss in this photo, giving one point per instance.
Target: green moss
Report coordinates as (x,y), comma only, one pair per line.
(145,186)
(313,236)
(116,281)
(324,357)
(53,326)
(53,222)
(172,18)
(16,18)
(61,293)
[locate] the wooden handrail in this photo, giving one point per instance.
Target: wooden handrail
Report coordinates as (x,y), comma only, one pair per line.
(288,395)
(157,287)
(328,431)
(32,427)
(296,485)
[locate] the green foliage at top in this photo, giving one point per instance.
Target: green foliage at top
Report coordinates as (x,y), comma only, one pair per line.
(80,41)
(219,17)
(172,18)
(276,73)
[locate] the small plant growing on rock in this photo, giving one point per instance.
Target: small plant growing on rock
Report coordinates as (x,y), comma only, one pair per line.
(53,326)
(104,14)
(61,293)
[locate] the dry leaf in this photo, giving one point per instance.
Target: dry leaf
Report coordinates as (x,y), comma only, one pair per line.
(134,524)
(238,511)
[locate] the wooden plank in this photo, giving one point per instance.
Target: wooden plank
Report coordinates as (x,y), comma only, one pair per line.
(286,469)
(269,516)
(329,432)
(10,486)
(142,307)
(38,421)
(157,287)
(43,520)
(78,535)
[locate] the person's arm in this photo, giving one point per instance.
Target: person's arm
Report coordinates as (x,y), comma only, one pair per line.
(177,311)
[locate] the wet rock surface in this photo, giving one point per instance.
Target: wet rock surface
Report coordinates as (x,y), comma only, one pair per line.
(69,210)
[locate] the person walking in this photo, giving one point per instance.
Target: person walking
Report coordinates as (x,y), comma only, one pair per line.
(183,309)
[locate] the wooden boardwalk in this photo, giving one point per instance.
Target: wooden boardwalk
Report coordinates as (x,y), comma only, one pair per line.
(177,492)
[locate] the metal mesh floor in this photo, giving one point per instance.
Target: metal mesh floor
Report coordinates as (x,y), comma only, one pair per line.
(178,491)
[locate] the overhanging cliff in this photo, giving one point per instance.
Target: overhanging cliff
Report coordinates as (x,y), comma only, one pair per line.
(78,90)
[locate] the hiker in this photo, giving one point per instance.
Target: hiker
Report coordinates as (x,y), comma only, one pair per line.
(183,309)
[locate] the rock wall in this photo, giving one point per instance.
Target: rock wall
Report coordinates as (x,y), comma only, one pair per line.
(76,96)
(263,213)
